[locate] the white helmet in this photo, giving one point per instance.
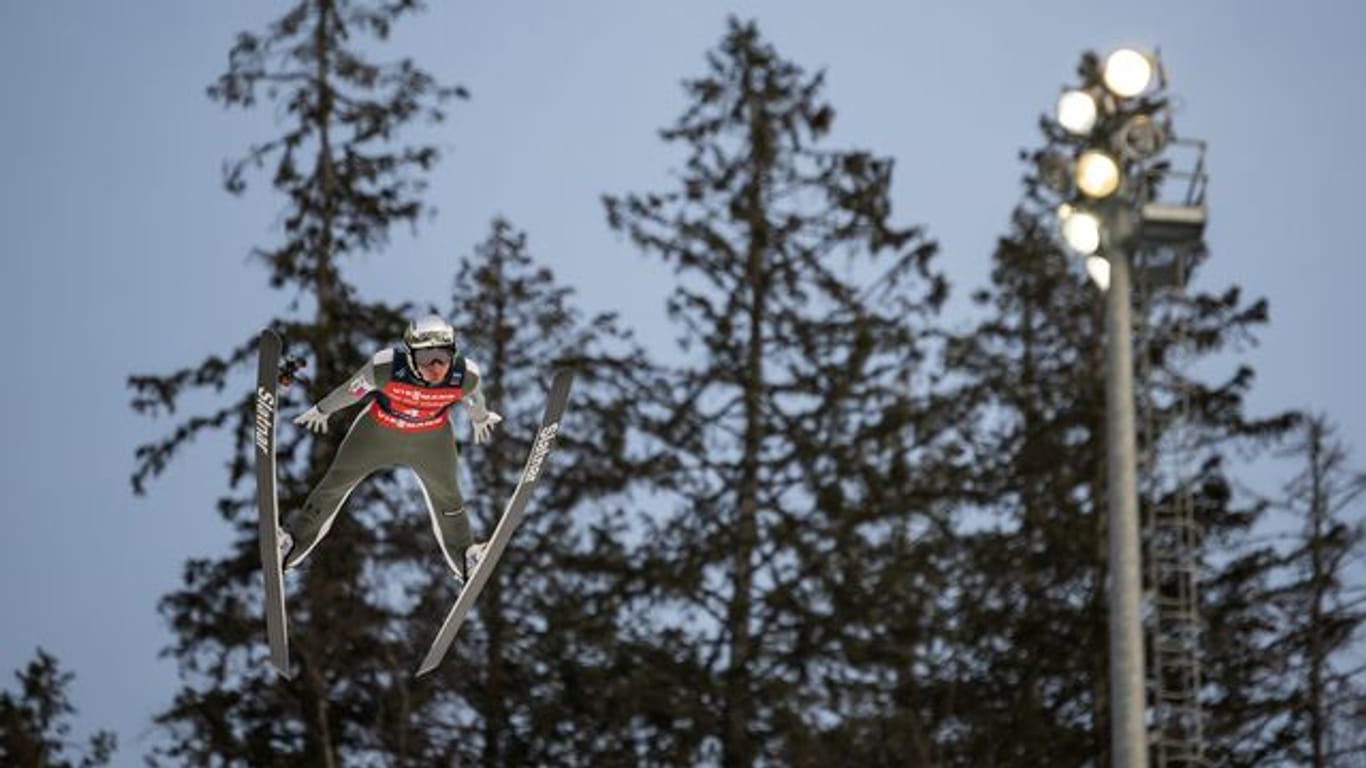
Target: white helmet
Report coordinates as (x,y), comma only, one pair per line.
(429,332)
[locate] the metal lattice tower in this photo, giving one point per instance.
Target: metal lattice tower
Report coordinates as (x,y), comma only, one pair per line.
(1172,533)
(1176,631)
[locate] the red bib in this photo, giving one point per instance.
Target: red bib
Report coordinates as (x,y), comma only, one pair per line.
(408,406)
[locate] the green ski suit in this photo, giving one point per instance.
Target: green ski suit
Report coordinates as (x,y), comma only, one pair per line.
(405,423)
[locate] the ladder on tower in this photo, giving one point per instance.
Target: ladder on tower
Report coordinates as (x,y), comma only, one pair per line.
(1174,542)
(1173,536)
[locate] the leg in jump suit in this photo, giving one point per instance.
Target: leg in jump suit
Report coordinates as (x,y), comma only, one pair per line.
(434,458)
(367,448)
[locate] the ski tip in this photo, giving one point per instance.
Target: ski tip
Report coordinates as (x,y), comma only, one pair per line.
(559,385)
(270,336)
(282,672)
(424,670)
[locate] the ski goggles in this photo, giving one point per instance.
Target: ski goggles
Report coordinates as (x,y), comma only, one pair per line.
(433,355)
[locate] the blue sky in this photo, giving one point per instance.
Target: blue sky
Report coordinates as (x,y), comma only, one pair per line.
(121,254)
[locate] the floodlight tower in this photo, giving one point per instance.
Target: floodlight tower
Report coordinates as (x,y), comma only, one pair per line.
(1117,125)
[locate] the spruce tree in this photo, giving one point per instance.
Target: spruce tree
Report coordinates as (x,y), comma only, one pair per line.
(1293,682)
(347,183)
(1031,548)
(803,313)
(539,668)
(35,721)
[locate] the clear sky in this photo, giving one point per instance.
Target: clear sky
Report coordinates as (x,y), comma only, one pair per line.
(121,254)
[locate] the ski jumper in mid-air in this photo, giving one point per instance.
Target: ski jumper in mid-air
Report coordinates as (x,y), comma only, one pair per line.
(411,390)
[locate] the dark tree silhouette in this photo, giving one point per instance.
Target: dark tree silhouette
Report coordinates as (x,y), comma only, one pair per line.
(1291,683)
(803,315)
(542,675)
(35,721)
(347,183)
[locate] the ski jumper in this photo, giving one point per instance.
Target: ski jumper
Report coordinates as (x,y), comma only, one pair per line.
(406,422)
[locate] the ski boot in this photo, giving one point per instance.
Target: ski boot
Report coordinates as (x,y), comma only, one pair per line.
(473,554)
(286,542)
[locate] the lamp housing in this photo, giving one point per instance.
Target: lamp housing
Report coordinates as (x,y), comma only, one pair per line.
(1081,231)
(1129,72)
(1077,112)
(1097,174)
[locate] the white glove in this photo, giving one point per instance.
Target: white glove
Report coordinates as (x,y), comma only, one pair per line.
(483,427)
(313,420)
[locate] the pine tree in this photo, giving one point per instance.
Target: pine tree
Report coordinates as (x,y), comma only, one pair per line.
(1030,550)
(35,725)
(347,184)
(1302,617)
(794,418)
(539,668)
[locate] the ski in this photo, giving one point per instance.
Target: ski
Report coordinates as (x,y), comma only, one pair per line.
(267,499)
(512,517)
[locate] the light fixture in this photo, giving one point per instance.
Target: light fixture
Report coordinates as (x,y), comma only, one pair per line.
(1055,171)
(1081,231)
(1097,174)
(1128,72)
(1098,270)
(1076,112)
(1140,137)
